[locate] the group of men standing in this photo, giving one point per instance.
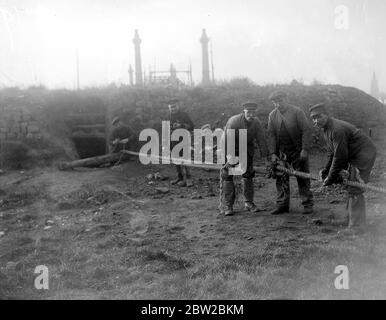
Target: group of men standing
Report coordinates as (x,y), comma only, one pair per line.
(288,141)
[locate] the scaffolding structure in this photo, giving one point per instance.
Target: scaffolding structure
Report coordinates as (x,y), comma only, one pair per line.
(170,77)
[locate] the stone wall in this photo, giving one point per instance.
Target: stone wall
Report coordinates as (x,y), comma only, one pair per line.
(17,123)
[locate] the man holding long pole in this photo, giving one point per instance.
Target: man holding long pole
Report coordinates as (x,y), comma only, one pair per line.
(349,148)
(289,141)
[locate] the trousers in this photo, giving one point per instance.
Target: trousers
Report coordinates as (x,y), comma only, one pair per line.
(227,192)
(304,185)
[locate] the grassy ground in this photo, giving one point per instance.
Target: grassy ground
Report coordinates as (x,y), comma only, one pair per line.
(109,234)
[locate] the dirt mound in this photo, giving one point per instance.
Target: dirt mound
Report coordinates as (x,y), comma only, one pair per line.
(146,108)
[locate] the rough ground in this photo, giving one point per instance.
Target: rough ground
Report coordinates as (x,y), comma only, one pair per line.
(108,233)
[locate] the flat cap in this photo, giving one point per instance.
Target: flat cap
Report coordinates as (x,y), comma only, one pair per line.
(249,105)
(318,108)
(277,94)
(173,101)
(115,120)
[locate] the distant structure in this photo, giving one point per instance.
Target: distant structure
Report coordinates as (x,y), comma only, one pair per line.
(131,78)
(77,70)
(138,63)
(211,61)
(374,90)
(170,77)
(205,58)
(163,77)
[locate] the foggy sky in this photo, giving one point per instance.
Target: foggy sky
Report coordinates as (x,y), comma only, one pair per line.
(269,41)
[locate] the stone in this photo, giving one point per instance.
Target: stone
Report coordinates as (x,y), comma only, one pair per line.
(162,190)
(196,197)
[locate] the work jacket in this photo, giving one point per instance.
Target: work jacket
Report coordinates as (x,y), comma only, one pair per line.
(255,132)
(296,124)
(346,145)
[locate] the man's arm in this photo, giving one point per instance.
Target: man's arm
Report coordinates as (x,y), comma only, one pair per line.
(306,131)
(324,172)
(339,156)
(271,136)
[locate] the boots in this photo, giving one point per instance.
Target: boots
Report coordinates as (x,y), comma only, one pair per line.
(279,210)
(228,211)
(180,175)
(176,181)
(181,183)
(250,206)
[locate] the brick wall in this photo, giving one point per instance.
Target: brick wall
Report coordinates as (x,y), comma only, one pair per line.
(17,123)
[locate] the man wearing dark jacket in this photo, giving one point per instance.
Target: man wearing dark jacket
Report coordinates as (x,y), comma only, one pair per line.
(246,120)
(120,137)
(289,139)
(180,120)
(348,148)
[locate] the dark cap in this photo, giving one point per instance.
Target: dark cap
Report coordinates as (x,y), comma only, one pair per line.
(249,106)
(277,95)
(115,120)
(318,108)
(173,101)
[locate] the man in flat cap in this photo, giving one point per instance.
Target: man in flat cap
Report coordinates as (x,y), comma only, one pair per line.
(348,148)
(249,121)
(180,120)
(289,139)
(120,137)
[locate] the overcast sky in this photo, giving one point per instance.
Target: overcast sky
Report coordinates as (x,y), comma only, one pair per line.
(269,41)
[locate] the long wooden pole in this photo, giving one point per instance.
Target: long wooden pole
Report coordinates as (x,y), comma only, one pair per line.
(260,170)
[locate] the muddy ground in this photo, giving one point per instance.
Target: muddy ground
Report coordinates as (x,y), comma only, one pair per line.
(109,233)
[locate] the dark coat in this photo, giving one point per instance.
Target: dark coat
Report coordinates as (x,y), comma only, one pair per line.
(255,132)
(347,145)
(297,125)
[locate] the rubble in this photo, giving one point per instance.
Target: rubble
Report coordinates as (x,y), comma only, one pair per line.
(317,222)
(156,176)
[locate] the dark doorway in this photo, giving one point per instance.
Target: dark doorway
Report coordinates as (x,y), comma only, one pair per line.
(90,146)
